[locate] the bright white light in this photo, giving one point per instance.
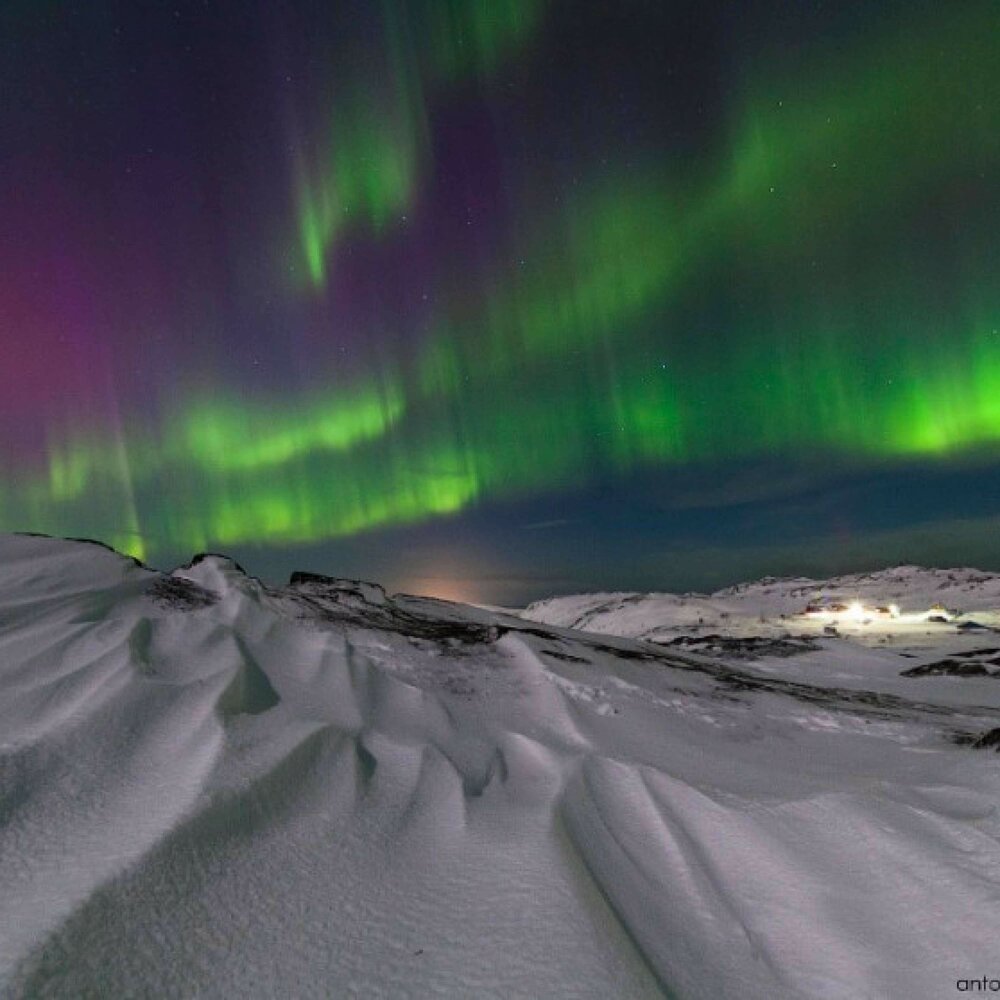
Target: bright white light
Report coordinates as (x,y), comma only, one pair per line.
(856,613)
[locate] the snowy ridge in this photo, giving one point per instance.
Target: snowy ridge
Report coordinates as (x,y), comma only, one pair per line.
(211,787)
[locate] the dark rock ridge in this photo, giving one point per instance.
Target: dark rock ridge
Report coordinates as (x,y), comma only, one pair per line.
(743,647)
(955,667)
(183,595)
(989,740)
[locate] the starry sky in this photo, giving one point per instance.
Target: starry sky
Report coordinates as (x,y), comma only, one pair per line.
(493,299)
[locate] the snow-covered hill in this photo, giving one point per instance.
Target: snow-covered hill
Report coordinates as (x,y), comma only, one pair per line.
(209,787)
(771,606)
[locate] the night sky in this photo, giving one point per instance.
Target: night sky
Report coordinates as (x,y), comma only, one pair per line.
(494,299)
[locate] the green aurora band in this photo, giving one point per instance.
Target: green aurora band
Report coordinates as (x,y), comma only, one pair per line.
(583,363)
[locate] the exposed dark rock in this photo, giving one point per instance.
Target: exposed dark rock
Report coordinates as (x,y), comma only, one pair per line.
(744,647)
(339,601)
(568,657)
(989,740)
(948,668)
(180,594)
(336,589)
(202,556)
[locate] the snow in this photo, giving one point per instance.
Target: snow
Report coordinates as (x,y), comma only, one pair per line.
(211,787)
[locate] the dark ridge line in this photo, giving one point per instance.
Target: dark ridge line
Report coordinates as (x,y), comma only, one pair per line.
(202,556)
(198,558)
(304,576)
(86,541)
(299,576)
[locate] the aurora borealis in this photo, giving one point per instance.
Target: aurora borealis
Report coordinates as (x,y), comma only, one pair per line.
(530,294)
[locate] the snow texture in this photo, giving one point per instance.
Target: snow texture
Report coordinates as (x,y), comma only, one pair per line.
(214,788)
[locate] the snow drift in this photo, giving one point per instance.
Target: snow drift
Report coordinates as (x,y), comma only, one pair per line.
(211,787)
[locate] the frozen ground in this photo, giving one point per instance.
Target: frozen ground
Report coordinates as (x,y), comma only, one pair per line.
(213,788)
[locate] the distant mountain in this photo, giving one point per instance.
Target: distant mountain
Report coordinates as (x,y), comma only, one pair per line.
(912,588)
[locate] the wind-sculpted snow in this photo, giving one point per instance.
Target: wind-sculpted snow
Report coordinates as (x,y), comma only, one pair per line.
(210,787)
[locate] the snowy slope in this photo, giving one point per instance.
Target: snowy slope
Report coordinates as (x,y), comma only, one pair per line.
(209,787)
